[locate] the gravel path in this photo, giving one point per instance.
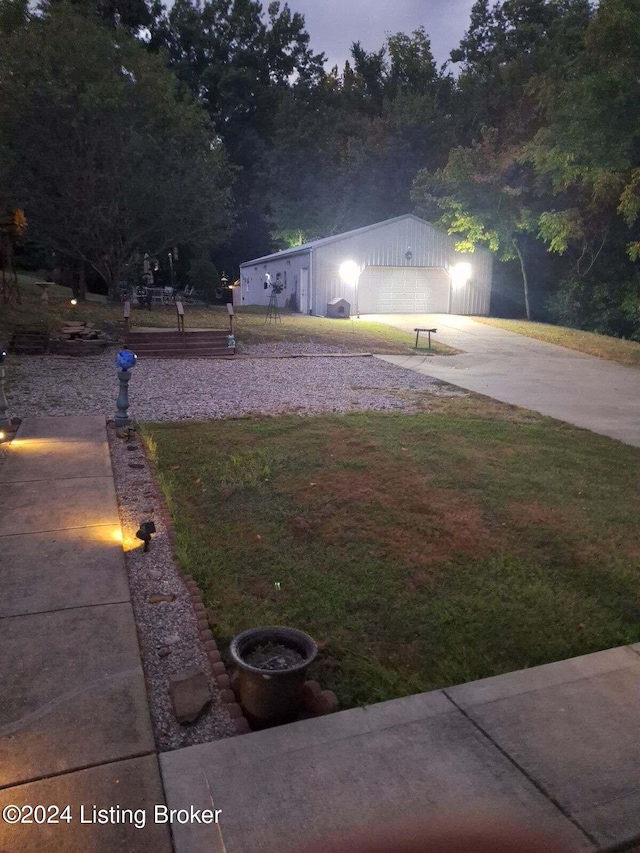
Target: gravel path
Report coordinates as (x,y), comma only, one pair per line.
(167,631)
(180,389)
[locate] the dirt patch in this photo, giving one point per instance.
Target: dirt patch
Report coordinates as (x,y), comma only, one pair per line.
(408,520)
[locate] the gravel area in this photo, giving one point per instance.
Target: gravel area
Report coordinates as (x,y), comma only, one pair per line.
(181,389)
(167,630)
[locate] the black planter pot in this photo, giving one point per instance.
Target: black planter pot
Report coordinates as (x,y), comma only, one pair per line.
(271,697)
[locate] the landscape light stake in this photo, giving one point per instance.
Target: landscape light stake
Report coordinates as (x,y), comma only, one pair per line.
(5,422)
(147,528)
(125,361)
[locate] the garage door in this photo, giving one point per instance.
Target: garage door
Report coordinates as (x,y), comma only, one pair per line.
(403,290)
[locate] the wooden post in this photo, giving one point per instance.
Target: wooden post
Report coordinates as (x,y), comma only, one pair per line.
(230,313)
(127,315)
(180,315)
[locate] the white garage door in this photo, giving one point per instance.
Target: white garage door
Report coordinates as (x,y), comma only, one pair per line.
(403,290)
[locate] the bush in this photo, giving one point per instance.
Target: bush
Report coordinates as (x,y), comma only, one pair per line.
(607,307)
(204,277)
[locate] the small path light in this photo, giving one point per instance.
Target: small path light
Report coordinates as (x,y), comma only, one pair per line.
(125,361)
(147,528)
(231,342)
(5,423)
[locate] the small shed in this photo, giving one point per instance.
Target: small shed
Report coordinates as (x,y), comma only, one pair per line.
(402,265)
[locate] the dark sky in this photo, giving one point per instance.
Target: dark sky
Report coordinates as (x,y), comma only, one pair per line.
(334,24)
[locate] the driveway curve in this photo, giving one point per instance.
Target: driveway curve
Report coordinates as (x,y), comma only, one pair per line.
(582,390)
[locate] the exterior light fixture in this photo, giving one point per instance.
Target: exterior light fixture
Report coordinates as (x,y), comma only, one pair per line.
(147,529)
(74,301)
(460,274)
(3,435)
(408,254)
(350,272)
(231,342)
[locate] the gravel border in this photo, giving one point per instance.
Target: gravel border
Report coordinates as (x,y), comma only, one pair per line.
(169,632)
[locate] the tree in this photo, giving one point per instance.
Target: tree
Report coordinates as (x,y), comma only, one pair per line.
(108,156)
(240,67)
(484,197)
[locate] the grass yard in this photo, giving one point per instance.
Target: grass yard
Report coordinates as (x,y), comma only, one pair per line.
(590,343)
(249,325)
(419,550)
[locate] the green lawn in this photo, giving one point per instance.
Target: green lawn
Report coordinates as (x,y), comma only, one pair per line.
(419,550)
(249,326)
(590,343)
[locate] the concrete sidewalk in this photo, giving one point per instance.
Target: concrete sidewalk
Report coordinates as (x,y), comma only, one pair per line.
(582,390)
(555,747)
(74,722)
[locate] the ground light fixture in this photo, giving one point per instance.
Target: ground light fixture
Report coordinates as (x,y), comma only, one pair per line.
(147,529)
(74,301)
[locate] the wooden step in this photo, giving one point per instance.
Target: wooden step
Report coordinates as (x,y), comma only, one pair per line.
(165,337)
(209,343)
(29,341)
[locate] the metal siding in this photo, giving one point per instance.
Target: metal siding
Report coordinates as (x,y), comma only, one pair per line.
(252,279)
(386,246)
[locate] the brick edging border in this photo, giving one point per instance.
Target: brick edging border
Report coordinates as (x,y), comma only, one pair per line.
(215,658)
(220,674)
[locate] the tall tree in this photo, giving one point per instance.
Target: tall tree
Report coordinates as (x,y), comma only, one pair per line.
(484,197)
(239,63)
(107,155)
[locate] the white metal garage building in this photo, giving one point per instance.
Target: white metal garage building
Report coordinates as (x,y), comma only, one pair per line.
(402,265)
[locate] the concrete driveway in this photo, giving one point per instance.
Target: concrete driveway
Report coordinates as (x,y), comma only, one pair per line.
(582,390)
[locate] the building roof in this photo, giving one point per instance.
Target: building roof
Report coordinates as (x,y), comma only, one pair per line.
(314,244)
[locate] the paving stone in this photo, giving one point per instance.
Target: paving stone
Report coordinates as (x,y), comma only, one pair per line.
(37,507)
(190,694)
(49,459)
(131,784)
(350,768)
(579,741)
(33,582)
(73,692)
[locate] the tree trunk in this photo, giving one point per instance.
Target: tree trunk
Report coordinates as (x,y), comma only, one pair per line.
(525,280)
(81,282)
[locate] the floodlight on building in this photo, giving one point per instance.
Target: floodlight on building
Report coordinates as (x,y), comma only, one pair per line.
(350,272)
(460,274)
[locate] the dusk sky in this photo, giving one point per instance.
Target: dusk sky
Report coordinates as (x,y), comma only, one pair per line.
(334,24)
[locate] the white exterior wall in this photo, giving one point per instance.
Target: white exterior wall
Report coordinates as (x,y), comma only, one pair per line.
(252,279)
(387,246)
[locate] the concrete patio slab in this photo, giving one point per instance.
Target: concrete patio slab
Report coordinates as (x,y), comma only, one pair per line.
(45,459)
(311,778)
(32,582)
(69,428)
(578,740)
(36,507)
(538,677)
(73,692)
(582,390)
(133,784)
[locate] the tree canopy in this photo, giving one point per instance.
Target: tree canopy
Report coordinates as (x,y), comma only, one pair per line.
(214,123)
